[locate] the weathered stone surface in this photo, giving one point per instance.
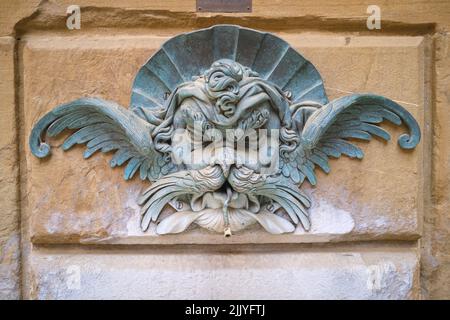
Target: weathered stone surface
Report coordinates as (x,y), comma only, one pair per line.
(9,213)
(13,11)
(399,17)
(73,200)
(343,15)
(224,273)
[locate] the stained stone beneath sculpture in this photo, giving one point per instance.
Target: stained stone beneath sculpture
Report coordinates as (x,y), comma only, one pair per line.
(73,200)
(226,273)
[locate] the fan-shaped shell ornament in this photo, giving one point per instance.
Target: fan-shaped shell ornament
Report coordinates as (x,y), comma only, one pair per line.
(188,55)
(225,78)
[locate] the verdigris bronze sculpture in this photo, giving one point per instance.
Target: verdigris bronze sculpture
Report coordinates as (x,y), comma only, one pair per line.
(227,122)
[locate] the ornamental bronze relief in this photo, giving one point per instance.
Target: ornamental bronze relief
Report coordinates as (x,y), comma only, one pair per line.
(227,123)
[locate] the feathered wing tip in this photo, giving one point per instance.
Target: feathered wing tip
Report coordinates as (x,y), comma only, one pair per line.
(327,129)
(154,198)
(291,198)
(357,116)
(102,126)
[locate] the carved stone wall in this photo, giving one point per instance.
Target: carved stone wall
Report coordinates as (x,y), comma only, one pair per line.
(380,226)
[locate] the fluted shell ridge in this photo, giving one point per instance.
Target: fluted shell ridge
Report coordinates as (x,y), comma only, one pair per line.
(189,54)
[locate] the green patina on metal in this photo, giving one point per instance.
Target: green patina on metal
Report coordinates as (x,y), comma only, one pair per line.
(225,77)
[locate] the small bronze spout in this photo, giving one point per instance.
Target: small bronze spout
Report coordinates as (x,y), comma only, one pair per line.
(227,232)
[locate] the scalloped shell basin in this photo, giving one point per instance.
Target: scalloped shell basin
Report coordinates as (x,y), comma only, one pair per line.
(189,54)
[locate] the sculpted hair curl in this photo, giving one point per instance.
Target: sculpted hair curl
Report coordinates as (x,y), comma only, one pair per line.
(222,84)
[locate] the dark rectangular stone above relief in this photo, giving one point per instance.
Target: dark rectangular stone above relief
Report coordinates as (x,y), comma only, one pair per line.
(224,6)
